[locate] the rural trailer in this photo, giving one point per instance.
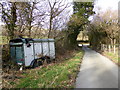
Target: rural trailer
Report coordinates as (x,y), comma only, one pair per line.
(25,51)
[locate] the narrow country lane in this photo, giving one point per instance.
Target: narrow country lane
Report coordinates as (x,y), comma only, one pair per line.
(97,71)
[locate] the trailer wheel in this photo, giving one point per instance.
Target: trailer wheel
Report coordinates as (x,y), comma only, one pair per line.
(48,61)
(37,63)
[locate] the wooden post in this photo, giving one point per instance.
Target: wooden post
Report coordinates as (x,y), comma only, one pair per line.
(114,48)
(103,47)
(106,47)
(109,48)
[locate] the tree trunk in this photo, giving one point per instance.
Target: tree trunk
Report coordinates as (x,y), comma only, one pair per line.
(12,25)
(29,28)
(50,27)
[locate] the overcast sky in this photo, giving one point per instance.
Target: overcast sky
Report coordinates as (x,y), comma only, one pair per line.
(106,4)
(103,5)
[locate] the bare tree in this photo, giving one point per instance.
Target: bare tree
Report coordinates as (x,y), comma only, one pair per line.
(9,17)
(56,8)
(22,13)
(104,28)
(30,17)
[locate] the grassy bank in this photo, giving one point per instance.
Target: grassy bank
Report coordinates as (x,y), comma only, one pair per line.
(112,56)
(55,75)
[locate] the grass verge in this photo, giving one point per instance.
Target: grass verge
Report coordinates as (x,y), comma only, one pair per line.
(112,56)
(56,75)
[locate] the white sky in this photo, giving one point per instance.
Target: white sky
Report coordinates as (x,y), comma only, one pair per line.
(102,5)
(106,4)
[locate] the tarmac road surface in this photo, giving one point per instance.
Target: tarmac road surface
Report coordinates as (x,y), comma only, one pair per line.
(97,71)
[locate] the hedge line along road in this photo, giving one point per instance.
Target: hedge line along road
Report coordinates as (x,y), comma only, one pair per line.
(97,71)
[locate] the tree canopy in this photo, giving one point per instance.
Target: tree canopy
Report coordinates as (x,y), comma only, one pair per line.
(82,11)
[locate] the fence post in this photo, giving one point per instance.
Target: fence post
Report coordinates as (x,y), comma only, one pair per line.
(106,48)
(103,47)
(109,48)
(114,48)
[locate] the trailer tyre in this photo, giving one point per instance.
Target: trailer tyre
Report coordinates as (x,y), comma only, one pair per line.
(40,63)
(35,64)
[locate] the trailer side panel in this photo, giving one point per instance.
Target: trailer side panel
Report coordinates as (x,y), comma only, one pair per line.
(29,54)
